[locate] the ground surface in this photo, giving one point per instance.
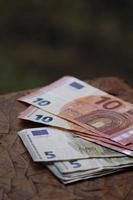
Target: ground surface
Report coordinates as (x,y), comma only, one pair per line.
(21,179)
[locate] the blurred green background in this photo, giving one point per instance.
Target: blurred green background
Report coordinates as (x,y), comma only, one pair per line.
(41,41)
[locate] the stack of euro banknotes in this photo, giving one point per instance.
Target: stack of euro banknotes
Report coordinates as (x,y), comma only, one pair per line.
(86,132)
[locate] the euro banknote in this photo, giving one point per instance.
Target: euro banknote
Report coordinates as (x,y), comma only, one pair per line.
(69,177)
(93,163)
(35,114)
(50,144)
(88,133)
(89,107)
(40,116)
(54,145)
(77,176)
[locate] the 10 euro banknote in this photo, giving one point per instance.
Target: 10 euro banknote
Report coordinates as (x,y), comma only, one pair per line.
(95,110)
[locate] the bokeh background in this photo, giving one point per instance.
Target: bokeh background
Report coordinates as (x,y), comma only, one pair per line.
(41,41)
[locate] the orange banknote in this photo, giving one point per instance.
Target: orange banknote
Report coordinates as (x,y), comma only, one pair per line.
(78,102)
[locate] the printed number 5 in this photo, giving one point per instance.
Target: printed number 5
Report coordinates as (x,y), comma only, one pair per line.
(75,164)
(50,154)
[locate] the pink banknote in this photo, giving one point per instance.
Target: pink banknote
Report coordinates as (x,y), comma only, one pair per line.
(78,102)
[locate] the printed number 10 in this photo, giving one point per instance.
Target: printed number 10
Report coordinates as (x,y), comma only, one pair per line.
(43,118)
(108,103)
(41,102)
